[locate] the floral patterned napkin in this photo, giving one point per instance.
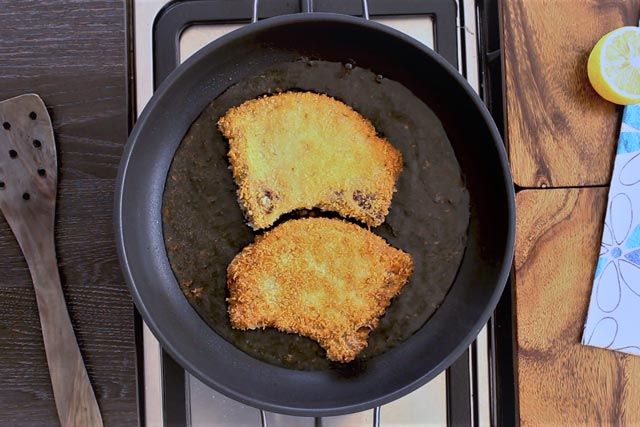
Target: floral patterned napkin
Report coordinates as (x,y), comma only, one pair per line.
(613,319)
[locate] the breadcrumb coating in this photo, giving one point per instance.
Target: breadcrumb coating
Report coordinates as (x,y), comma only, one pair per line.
(302,150)
(327,279)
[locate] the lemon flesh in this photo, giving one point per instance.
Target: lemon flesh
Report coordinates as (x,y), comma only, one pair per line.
(614,66)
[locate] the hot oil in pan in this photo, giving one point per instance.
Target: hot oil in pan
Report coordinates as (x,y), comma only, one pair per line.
(204,228)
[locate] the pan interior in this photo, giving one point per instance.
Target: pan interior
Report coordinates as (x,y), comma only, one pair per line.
(429,216)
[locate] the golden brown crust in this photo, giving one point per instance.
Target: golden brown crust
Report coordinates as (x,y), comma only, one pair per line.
(304,150)
(327,279)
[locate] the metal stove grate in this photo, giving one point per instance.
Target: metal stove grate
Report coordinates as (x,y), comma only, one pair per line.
(479,61)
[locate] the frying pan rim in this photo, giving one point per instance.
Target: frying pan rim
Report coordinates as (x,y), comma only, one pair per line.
(183,360)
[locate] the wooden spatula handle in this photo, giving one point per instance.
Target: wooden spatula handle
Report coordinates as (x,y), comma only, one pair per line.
(74,397)
(29,177)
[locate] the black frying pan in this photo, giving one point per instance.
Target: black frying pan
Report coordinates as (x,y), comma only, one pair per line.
(167,118)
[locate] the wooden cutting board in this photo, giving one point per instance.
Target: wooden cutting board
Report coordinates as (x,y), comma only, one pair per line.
(559,132)
(560,381)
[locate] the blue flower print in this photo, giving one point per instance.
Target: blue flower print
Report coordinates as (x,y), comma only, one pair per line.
(619,261)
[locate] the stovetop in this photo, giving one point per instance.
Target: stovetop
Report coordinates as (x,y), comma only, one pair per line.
(470,392)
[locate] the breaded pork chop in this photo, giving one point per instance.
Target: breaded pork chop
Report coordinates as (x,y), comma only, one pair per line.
(327,279)
(303,150)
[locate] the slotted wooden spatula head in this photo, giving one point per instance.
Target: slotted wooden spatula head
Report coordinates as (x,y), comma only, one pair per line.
(28,165)
(28,181)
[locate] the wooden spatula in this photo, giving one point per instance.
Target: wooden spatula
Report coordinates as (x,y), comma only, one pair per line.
(28,182)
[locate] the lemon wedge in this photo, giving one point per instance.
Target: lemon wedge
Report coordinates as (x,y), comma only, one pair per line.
(614,66)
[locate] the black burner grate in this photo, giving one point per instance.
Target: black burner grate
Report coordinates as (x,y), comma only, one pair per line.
(176,16)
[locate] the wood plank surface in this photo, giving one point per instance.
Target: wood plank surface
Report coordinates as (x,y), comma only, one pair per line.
(559,131)
(560,381)
(73,54)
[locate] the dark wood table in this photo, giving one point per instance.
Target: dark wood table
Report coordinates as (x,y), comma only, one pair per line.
(74,55)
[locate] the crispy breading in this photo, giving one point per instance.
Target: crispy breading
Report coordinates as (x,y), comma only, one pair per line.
(327,279)
(300,150)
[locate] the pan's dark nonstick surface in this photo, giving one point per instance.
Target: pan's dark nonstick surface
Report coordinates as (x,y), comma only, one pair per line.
(204,228)
(144,171)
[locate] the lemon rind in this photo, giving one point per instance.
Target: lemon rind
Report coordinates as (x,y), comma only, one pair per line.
(622,93)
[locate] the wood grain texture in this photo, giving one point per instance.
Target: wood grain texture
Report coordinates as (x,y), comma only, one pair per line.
(559,131)
(28,190)
(560,381)
(72,53)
